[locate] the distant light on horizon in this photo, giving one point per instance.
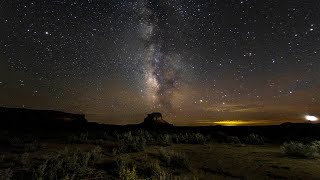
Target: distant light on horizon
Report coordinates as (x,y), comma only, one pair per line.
(234,122)
(311,118)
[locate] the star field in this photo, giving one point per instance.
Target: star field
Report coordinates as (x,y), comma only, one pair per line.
(194,61)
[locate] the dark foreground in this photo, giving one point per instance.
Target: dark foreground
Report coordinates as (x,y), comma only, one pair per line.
(56,145)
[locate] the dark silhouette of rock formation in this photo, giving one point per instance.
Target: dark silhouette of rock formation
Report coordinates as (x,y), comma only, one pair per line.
(155,119)
(20,117)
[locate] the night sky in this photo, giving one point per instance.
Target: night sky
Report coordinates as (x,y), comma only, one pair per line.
(196,61)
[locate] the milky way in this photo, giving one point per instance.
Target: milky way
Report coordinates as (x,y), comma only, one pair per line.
(193,60)
(161,68)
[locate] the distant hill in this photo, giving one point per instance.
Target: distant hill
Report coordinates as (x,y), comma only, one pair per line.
(20,117)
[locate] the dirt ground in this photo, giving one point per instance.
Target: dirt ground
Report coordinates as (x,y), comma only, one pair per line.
(208,161)
(226,161)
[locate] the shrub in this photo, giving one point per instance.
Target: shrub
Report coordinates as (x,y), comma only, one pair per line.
(70,165)
(96,154)
(150,169)
(126,169)
(253,139)
(146,135)
(147,171)
(173,159)
(189,138)
(82,138)
(164,140)
(25,160)
(107,136)
(128,174)
(163,175)
(39,172)
(27,144)
(32,146)
(115,151)
(6,174)
(297,149)
(123,161)
(233,140)
(198,138)
(316,145)
(130,143)
(175,138)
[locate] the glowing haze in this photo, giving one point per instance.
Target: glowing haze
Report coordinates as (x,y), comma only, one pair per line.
(311,118)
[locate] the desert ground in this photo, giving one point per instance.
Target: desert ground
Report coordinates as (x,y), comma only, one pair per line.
(147,154)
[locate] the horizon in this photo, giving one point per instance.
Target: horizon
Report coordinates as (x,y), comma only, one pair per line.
(194,123)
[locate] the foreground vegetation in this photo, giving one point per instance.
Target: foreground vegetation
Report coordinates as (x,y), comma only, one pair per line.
(145,154)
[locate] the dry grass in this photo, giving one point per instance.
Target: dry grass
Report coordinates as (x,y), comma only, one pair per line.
(222,161)
(209,161)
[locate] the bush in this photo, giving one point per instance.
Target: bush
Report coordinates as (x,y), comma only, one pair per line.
(126,169)
(175,138)
(189,138)
(163,175)
(128,174)
(316,145)
(146,135)
(26,144)
(123,161)
(233,140)
(297,149)
(107,136)
(70,165)
(32,146)
(198,138)
(82,138)
(25,160)
(6,174)
(130,143)
(39,172)
(173,159)
(164,140)
(150,169)
(253,139)
(96,154)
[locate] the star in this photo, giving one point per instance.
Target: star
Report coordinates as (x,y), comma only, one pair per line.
(189,59)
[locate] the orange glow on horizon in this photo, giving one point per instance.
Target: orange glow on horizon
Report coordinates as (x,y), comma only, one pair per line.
(236,122)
